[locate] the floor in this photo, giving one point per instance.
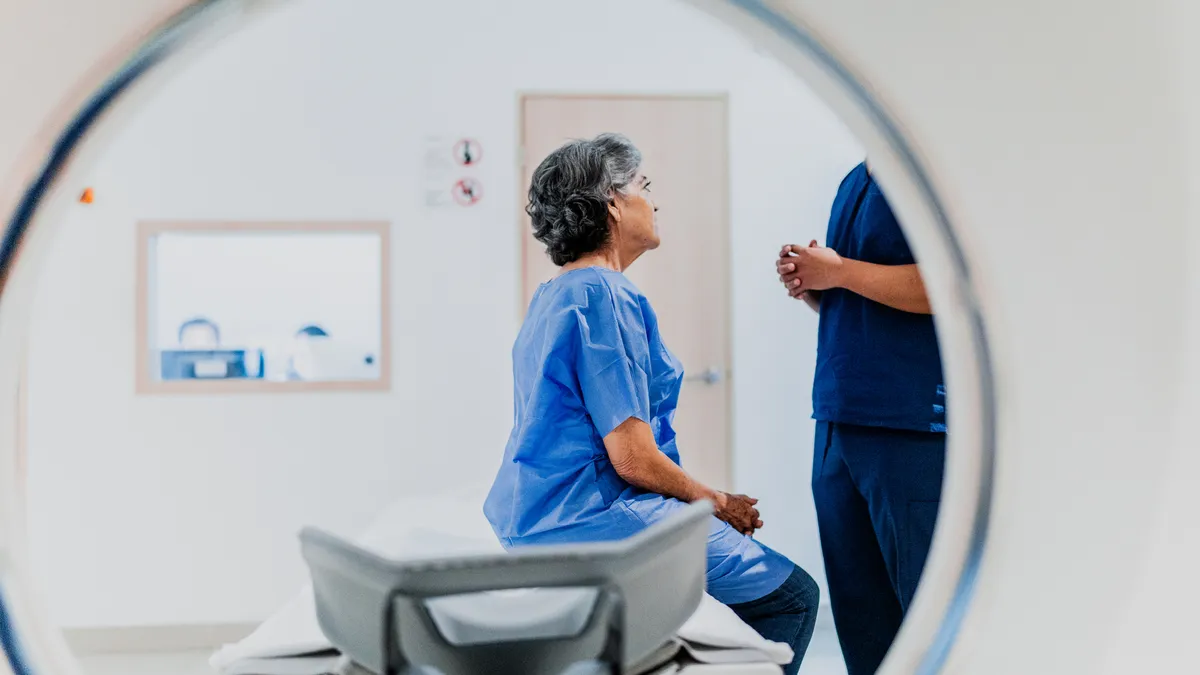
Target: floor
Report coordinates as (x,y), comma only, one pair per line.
(823,658)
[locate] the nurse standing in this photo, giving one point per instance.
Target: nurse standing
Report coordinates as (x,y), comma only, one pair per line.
(592,455)
(879,402)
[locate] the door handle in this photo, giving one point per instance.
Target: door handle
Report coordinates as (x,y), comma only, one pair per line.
(710,376)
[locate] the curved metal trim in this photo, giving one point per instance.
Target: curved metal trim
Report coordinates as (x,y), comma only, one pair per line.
(10,641)
(158,47)
(148,55)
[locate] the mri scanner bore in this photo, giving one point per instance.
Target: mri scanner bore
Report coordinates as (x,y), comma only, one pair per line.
(217,297)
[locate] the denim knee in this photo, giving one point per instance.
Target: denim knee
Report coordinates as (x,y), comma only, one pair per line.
(804,589)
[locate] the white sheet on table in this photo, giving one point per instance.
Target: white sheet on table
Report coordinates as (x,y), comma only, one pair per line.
(714,634)
(401,532)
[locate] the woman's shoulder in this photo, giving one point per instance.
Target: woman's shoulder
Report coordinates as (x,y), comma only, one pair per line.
(594,296)
(588,285)
(596,305)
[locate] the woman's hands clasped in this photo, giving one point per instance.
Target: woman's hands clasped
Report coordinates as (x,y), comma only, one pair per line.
(738,511)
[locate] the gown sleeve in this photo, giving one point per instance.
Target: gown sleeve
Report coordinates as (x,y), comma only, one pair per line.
(612,362)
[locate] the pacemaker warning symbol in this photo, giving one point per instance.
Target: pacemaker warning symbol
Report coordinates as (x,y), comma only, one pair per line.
(468,152)
(468,192)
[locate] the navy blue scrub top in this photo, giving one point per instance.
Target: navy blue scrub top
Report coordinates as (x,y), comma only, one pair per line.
(876,366)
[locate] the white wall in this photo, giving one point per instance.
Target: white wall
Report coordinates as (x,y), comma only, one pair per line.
(183,509)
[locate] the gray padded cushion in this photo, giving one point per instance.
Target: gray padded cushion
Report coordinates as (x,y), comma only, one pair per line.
(502,616)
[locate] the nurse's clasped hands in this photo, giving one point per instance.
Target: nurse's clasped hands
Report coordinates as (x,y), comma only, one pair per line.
(809,268)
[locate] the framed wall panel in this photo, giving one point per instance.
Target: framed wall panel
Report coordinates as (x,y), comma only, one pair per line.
(232,307)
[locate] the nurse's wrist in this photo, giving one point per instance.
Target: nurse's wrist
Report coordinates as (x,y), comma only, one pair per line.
(844,275)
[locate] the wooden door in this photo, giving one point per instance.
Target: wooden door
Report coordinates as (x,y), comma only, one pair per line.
(684,141)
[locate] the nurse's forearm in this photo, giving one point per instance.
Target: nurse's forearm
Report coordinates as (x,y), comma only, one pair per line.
(635,456)
(897,286)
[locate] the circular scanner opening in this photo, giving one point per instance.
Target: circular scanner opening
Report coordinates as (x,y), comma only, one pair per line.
(198,156)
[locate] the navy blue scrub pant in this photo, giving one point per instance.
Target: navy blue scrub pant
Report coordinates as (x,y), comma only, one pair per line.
(877,493)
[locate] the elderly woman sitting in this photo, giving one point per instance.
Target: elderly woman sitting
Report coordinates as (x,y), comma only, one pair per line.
(592,455)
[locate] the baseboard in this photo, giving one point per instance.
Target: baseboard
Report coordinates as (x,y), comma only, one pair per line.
(148,639)
(197,637)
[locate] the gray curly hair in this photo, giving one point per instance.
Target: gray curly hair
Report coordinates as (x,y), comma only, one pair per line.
(572,189)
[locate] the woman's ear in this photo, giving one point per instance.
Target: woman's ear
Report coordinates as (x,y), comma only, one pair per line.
(614,212)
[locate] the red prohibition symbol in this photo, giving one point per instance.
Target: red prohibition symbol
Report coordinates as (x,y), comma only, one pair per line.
(468,152)
(468,192)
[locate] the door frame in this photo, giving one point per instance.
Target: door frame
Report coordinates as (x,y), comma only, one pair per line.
(722,97)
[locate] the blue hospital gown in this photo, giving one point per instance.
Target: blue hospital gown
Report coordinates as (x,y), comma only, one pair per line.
(588,358)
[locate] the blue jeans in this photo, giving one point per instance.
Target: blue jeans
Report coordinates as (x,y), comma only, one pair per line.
(877,493)
(787,614)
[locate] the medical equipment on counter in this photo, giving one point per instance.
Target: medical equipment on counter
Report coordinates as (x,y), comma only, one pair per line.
(597,608)
(210,364)
(324,359)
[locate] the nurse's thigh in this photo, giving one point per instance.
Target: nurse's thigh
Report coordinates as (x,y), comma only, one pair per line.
(900,474)
(921,511)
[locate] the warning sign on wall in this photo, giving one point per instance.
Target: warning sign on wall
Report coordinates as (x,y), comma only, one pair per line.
(467,192)
(468,152)
(449,166)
